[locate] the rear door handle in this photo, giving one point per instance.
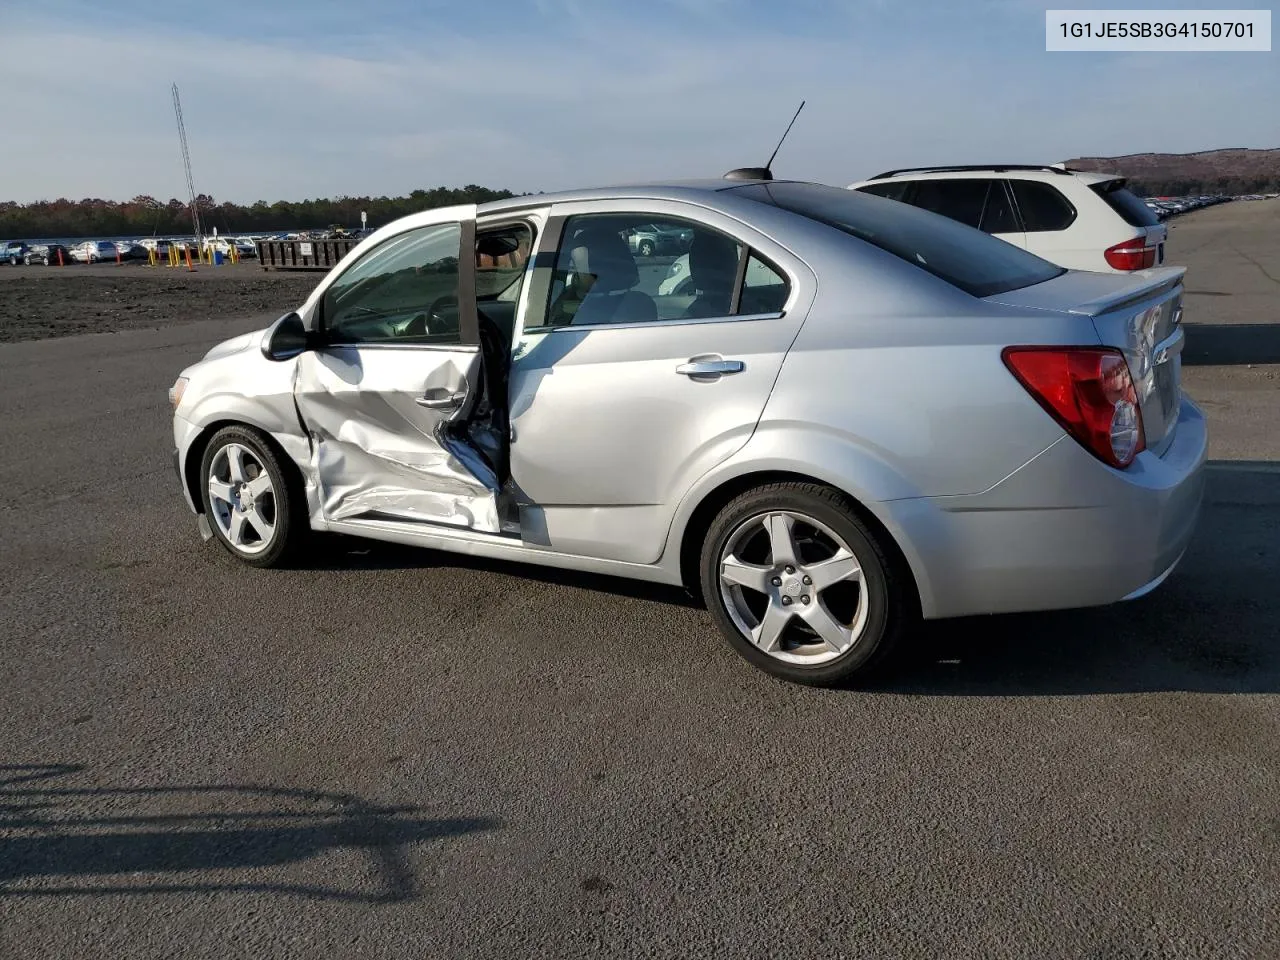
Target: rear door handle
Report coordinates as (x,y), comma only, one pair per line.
(709,368)
(442,403)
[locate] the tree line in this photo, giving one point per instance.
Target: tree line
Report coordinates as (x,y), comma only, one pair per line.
(147,216)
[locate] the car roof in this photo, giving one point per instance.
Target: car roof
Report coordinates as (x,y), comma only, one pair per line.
(695,190)
(1046,173)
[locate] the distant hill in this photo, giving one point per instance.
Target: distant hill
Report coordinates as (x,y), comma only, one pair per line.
(1232,170)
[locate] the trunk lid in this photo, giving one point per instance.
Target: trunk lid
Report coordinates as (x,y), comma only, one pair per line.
(1140,313)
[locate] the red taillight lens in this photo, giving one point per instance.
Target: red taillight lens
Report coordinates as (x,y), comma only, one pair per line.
(1089,391)
(1130,255)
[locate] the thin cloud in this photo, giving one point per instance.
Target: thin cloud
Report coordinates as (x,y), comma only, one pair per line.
(586,98)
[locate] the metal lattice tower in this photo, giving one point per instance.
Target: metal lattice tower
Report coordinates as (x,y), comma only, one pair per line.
(186,162)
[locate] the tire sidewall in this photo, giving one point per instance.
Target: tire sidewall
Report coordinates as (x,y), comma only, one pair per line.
(875,582)
(284,502)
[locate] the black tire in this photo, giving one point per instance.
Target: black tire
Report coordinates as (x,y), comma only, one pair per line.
(889,588)
(646,248)
(289,503)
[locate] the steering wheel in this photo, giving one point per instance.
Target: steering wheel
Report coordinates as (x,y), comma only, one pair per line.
(439,318)
(442,315)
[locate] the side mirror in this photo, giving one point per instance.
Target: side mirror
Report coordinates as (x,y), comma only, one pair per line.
(286,338)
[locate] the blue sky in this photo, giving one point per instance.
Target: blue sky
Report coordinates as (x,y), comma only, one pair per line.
(288,99)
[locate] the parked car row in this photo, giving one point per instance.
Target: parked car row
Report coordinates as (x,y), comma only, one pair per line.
(17,252)
(1165,207)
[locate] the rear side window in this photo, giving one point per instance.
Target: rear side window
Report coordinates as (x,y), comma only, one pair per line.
(997,215)
(973,261)
(892,189)
(1124,202)
(961,200)
(1043,208)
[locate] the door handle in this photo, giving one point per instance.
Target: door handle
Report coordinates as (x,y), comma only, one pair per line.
(709,368)
(442,403)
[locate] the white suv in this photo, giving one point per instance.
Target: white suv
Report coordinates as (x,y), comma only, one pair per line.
(1078,220)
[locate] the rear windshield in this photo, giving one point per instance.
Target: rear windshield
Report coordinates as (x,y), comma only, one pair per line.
(977,263)
(1124,202)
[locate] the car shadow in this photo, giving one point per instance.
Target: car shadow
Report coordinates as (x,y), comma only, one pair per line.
(1209,628)
(1231,344)
(58,838)
(341,552)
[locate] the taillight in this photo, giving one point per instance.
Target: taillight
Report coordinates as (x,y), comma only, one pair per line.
(1131,255)
(1089,391)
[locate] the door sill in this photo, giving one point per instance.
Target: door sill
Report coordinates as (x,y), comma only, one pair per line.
(510,531)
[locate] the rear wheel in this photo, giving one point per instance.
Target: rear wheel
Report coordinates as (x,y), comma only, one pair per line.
(252,510)
(801,587)
(646,248)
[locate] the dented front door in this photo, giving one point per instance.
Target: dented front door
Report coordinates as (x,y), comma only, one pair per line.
(398,365)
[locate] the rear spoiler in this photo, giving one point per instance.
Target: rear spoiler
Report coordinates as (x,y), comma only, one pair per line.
(1142,285)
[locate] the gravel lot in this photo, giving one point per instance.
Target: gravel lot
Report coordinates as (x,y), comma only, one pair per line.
(41,302)
(397,753)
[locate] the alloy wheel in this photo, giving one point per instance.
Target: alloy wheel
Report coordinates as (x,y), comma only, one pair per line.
(793,587)
(243,499)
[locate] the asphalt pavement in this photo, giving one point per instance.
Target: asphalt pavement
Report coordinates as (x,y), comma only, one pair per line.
(399,753)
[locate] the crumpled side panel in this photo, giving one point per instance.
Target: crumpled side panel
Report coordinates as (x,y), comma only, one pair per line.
(380,461)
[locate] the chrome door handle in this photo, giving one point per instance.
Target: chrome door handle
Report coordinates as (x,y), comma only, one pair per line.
(441,403)
(709,368)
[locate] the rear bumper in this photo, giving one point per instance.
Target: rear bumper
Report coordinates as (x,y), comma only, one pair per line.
(1063,531)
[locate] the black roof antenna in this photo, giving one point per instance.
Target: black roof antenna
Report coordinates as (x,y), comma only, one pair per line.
(764,173)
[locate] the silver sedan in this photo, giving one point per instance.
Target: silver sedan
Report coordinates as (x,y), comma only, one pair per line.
(857,414)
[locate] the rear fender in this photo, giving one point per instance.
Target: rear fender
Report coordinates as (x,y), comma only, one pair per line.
(808,450)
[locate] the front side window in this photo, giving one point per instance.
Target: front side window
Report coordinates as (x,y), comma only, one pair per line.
(631,268)
(405,290)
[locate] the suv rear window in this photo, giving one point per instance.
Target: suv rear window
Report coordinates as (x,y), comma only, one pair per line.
(977,263)
(1124,202)
(1043,208)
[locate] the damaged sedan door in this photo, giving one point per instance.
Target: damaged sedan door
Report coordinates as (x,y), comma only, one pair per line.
(394,376)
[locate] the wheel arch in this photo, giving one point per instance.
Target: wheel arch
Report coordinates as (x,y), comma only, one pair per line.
(715,500)
(200,442)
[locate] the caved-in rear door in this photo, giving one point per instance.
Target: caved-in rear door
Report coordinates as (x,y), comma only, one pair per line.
(398,374)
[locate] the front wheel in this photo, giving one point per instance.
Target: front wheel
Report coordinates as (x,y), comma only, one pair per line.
(801,587)
(252,510)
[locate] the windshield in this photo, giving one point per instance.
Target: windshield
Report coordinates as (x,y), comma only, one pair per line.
(976,262)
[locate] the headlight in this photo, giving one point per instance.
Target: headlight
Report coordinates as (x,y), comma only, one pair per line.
(176,391)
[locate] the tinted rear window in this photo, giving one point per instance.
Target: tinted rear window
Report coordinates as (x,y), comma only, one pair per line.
(961,200)
(1124,202)
(976,262)
(1043,208)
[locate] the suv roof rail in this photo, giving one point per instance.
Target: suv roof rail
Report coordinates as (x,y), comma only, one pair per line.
(1060,168)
